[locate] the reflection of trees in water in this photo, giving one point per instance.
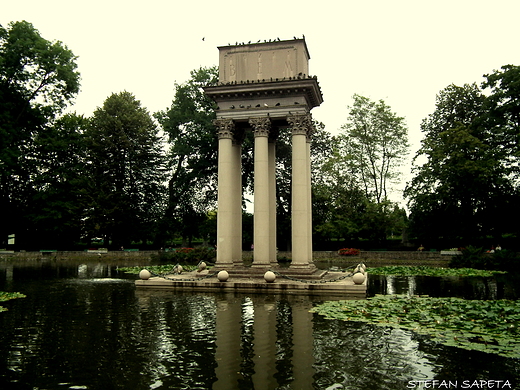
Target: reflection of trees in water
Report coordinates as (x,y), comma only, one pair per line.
(74,331)
(362,356)
(460,365)
(468,287)
(179,341)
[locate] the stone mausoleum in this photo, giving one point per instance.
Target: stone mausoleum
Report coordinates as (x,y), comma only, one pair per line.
(264,88)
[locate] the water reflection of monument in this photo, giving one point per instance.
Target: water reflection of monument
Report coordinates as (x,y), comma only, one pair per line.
(266,88)
(256,337)
(262,341)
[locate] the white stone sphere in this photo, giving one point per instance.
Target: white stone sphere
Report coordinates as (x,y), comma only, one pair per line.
(269,276)
(145,274)
(358,278)
(223,276)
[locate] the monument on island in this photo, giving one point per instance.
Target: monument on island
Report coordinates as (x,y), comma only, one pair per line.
(264,88)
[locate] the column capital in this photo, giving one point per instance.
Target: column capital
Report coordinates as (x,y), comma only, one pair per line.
(261,126)
(225,127)
(312,130)
(301,124)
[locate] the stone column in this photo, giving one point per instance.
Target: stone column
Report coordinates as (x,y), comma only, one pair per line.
(237,200)
(272,202)
(261,128)
(309,191)
(300,125)
(225,196)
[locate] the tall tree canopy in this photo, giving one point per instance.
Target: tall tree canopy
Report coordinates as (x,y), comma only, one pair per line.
(57,206)
(38,78)
(342,210)
(126,171)
(352,187)
(373,145)
(463,185)
(503,115)
(41,72)
(192,156)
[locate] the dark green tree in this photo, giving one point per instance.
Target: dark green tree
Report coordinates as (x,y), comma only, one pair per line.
(462,187)
(503,115)
(192,156)
(343,211)
(126,171)
(337,211)
(354,176)
(38,78)
(321,147)
(57,207)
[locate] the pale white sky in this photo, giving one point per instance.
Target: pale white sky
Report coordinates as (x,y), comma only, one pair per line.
(401,51)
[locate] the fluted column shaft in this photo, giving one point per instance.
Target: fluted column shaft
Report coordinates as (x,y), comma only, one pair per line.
(237,201)
(272,202)
(301,229)
(225,197)
(261,128)
(309,194)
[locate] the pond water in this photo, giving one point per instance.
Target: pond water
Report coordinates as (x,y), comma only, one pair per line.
(87,327)
(498,287)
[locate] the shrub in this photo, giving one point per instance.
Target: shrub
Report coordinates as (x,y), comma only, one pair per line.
(188,255)
(473,257)
(348,252)
(505,260)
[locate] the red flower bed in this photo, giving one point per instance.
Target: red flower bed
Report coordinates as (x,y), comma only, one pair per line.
(184,250)
(348,252)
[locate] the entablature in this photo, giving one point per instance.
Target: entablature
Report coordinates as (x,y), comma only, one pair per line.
(262,94)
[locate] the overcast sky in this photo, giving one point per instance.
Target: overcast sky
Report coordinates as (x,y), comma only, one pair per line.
(403,52)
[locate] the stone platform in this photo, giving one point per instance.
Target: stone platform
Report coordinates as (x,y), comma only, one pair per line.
(322,282)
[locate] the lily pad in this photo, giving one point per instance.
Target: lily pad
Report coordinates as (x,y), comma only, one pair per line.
(489,326)
(6,296)
(430,271)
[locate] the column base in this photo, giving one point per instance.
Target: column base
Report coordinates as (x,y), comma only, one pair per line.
(303,268)
(261,265)
(223,265)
